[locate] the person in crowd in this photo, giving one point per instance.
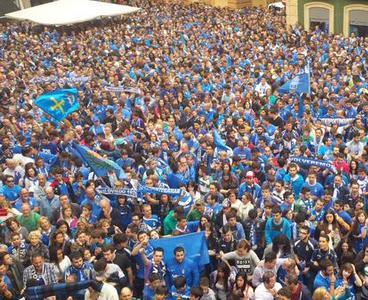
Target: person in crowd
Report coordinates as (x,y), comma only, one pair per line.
(39,270)
(182,265)
(268,288)
(214,146)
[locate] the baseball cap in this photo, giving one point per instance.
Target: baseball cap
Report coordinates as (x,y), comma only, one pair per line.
(249,174)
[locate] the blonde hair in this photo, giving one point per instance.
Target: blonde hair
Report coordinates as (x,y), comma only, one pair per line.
(321,294)
(43,218)
(35,233)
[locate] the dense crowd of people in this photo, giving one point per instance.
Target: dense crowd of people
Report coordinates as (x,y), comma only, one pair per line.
(275,229)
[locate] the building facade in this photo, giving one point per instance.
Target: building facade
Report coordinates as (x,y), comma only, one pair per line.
(335,16)
(233,3)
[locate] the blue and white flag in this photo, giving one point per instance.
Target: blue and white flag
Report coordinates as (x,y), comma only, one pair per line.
(308,162)
(59,104)
(194,244)
(338,121)
(299,84)
(101,166)
(220,143)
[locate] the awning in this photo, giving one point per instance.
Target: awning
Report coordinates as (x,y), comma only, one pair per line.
(278,5)
(66,12)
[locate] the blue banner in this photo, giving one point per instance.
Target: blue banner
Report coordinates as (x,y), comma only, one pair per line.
(101,166)
(194,244)
(307,162)
(59,104)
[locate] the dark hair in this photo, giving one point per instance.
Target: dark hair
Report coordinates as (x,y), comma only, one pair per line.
(196,292)
(325,263)
(325,236)
(180,282)
(270,256)
(204,281)
(301,217)
(120,238)
(108,248)
(281,240)
(284,292)
(276,209)
(10,220)
(159,249)
(57,232)
(161,290)
(178,249)
(244,276)
(61,223)
(153,277)
(98,233)
(37,254)
(305,227)
(100,265)
(224,268)
(75,255)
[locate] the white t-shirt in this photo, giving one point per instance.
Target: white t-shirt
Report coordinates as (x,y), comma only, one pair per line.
(262,293)
(108,292)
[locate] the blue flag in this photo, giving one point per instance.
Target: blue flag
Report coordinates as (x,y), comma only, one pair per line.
(101,166)
(59,104)
(220,143)
(194,244)
(299,84)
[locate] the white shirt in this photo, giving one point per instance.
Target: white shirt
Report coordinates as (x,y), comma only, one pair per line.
(264,294)
(108,292)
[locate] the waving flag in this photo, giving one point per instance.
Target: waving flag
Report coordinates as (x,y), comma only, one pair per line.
(194,244)
(59,104)
(101,166)
(220,143)
(299,84)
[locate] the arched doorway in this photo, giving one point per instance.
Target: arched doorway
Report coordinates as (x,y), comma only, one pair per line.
(356,20)
(319,14)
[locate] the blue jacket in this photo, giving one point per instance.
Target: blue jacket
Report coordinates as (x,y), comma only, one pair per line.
(254,190)
(187,268)
(238,233)
(271,230)
(322,281)
(296,184)
(175,294)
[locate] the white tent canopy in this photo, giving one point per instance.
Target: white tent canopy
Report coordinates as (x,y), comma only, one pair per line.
(65,12)
(278,5)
